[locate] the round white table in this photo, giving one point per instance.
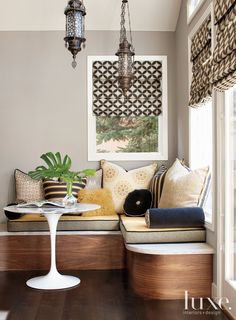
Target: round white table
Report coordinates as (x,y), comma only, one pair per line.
(53,280)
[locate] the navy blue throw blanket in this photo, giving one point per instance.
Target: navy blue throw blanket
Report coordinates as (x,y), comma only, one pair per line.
(175,217)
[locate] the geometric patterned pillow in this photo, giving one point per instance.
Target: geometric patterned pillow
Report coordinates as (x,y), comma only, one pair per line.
(57,190)
(121,182)
(27,189)
(156,185)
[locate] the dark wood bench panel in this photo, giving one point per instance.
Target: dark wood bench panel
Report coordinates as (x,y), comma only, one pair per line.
(74,252)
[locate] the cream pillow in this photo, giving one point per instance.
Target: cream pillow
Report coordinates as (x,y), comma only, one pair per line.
(121,182)
(184,188)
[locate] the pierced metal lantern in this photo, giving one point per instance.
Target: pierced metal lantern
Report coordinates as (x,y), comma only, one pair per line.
(125,53)
(75,13)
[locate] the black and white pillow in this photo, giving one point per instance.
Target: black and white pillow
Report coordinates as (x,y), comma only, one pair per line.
(137,203)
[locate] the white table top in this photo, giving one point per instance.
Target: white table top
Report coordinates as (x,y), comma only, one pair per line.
(79,207)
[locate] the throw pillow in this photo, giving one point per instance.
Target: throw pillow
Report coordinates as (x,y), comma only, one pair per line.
(184,188)
(27,189)
(156,185)
(103,197)
(57,190)
(121,182)
(12,215)
(94,182)
(137,203)
(175,218)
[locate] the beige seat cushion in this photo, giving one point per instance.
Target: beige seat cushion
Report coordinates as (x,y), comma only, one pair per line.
(33,222)
(184,188)
(121,182)
(134,230)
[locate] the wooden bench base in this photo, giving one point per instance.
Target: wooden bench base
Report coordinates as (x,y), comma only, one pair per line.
(74,252)
(162,271)
(168,276)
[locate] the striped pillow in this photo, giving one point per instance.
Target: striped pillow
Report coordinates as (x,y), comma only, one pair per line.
(156,185)
(56,190)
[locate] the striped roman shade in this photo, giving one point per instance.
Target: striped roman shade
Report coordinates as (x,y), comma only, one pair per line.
(56,190)
(201,87)
(224,56)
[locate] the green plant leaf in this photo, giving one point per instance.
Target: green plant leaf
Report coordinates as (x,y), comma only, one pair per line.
(47,160)
(67,162)
(52,157)
(41,168)
(88,172)
(58,157)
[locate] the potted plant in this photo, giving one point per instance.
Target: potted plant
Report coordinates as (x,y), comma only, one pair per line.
(58,167)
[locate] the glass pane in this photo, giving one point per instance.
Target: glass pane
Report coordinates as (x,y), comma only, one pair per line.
(74,24)
(133,134)
(230,231)
(201,146)
(192,4)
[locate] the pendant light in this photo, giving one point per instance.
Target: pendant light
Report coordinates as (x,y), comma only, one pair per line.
(75,14)
(125,52)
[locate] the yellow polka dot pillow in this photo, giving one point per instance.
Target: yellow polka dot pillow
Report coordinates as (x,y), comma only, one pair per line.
(121,182)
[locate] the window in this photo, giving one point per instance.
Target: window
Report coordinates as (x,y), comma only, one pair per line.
(193,7)
(201,145)
(131,134)
(201,119)
(127,137)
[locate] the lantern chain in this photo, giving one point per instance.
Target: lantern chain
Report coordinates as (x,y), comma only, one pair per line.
(122,23)
(130,32)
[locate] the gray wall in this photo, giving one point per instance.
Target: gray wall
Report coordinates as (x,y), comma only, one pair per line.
(43,101)
(182,87)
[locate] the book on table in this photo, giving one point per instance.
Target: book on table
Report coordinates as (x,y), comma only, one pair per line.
(42,204)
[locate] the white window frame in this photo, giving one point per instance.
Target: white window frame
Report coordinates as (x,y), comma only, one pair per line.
(210,223)
(93,155)
(192,15)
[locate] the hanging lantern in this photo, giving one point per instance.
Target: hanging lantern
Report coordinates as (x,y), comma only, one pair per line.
(75,13)
(125,53)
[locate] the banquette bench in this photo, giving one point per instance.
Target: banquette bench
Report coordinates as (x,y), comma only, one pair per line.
(161,264)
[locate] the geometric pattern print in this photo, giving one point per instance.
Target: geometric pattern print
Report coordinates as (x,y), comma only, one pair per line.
(222,8)
(144,97)
(201,57)
(201,39)
(27,189)
(224,56)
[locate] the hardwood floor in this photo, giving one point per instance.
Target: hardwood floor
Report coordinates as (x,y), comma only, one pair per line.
(102,295)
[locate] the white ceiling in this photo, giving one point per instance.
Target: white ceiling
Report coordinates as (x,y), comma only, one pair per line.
(146,15)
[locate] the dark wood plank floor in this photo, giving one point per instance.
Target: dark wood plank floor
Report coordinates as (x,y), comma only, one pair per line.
(102,295)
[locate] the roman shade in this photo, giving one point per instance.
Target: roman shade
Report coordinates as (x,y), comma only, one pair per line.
(224,56)
(201,86)
(144,97)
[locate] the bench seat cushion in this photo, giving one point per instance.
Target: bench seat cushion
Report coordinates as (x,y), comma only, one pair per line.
(134,230)
(66,223)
